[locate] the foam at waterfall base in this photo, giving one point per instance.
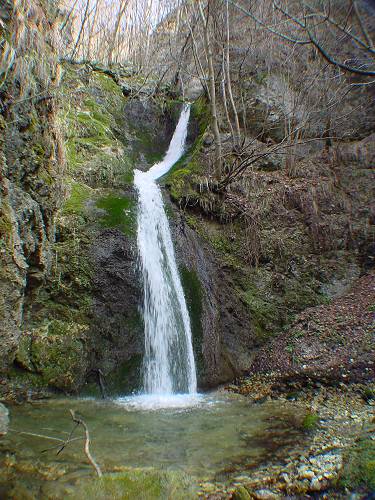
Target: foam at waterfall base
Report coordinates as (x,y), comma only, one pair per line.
(161,401)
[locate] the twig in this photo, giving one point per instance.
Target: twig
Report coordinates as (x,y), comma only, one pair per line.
(69,440)
(79,421)
(63,445)
(38,435)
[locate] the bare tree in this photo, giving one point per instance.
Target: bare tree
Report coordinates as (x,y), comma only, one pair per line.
(307,25)
(205,18)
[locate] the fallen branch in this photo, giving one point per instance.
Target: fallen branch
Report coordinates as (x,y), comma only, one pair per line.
(79,421)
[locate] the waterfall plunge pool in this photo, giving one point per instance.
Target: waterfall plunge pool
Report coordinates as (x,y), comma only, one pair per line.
(211,437)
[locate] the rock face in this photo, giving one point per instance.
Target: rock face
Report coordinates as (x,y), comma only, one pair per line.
(71,294)
(116,327)
(222,330)
(31,165)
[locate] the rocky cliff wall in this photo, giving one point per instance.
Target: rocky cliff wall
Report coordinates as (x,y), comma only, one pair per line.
(31,160)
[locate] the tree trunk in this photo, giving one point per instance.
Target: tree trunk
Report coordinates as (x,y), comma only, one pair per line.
(212,89)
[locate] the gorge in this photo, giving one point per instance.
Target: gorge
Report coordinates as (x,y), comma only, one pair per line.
(187,249)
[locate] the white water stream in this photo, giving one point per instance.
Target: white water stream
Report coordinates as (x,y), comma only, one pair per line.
(169,366)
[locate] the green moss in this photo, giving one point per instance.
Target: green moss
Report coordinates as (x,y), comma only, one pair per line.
(74,156)
(106,83)
(128,176)
(79,194)
(262,312)
(6,227)
(136,483)
(310,422)
(38,153)
(194,297)
(120,212)
(359,466)
(201,113)
(368,394)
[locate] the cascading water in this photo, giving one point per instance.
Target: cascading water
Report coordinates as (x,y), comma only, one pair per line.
(169,366)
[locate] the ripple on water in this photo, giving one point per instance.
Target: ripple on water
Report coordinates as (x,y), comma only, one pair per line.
(162,401)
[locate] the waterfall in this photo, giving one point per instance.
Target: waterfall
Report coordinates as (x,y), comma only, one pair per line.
(169,366)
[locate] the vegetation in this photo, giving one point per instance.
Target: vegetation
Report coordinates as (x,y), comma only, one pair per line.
(359,466)
(146,484)
(310,422)
(119,212)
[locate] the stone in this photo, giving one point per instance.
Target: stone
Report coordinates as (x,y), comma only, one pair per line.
(4,419)
(265,495)
(315,484)
(208,140)
(308,474)
(241,493)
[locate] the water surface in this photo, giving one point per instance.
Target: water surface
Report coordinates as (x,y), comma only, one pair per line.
(213,436)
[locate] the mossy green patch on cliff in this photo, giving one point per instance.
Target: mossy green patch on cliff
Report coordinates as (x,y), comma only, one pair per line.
(120,212)
(310,422)
(194,297)
(200,112)
(107,84)
(6,226)
(93,149)
(79,194)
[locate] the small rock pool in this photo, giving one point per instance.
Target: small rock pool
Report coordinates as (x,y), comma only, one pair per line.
(212,437)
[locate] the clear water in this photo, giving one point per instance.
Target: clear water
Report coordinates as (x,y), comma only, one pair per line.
(169,360)
(212,437)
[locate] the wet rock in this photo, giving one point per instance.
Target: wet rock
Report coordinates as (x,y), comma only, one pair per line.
(241,493)
(4,419)
(307,474)
(265,495)
(208,139)
(223,341)
(315,484)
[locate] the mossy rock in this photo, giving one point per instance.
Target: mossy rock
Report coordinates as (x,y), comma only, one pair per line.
(57,353)
(241,493)
(142,484)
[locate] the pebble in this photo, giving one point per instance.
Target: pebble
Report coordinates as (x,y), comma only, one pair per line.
(308,474)
(284,476)
(265,495)
(315,484)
